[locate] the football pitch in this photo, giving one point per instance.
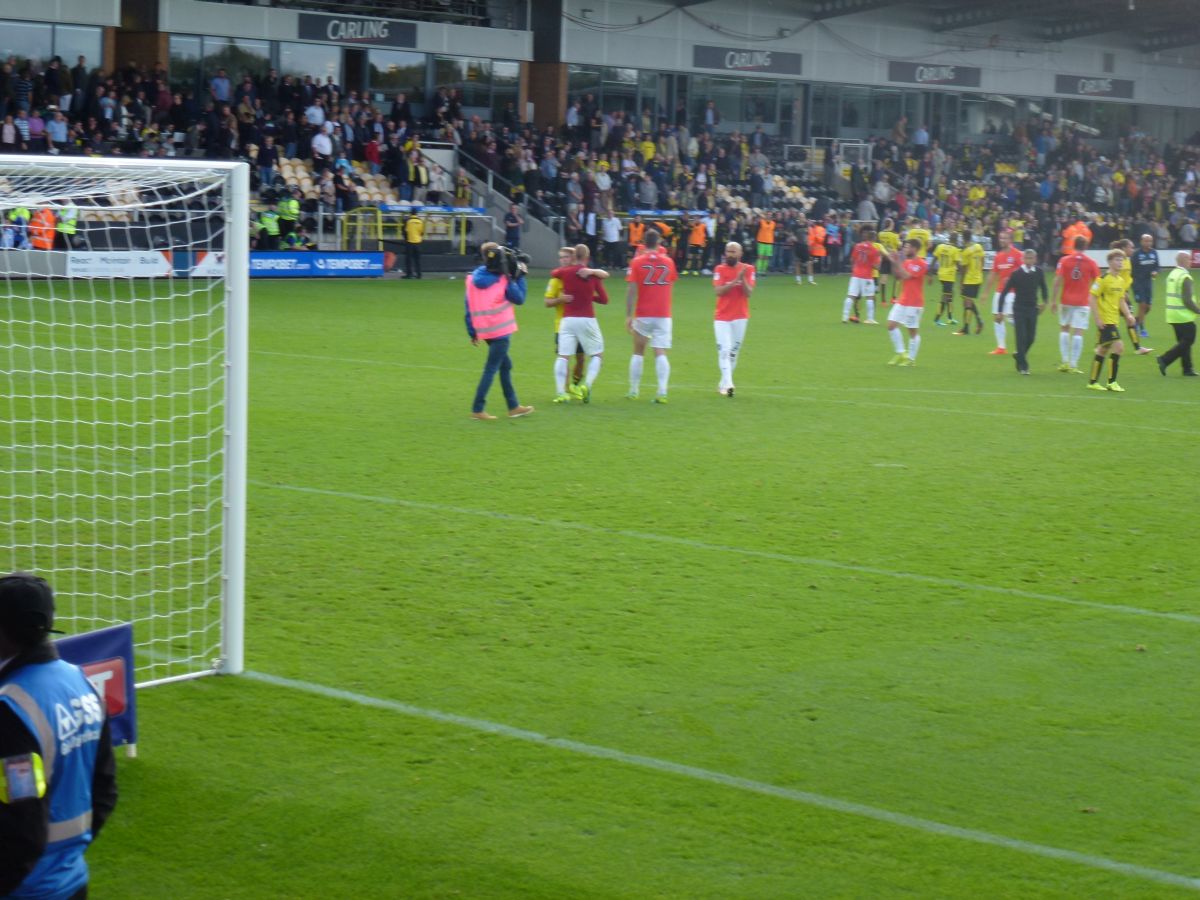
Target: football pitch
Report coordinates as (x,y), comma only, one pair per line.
(860,631)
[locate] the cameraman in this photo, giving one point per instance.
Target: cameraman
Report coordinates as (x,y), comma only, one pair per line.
(492,289)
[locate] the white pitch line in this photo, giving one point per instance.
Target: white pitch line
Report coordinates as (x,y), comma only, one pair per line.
(840,401)
(1073,397)
(741,551)
(808,798)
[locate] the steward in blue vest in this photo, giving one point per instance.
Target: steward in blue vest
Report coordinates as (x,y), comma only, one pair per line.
(57,774)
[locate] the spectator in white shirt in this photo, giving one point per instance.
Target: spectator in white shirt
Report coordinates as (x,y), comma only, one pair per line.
(322,150)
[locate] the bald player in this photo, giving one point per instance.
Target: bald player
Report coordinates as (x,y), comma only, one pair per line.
(733,281)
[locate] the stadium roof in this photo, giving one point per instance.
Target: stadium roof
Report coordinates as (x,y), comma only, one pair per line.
(1153,24)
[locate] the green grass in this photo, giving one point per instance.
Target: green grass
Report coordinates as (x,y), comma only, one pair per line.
(850,580)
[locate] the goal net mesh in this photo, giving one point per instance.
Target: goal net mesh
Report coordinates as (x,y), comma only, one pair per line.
(113,385)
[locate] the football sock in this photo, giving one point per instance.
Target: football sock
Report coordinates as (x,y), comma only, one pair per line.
(560,375)
(1076,349)
(725,365)
(662,368)
(846,309)
(1114,361)
(635,372)
(870,308)
(1134,338)
(1000,334)
(1097,365)
(1064,347)
(913,346)
(592,371)
(897,339)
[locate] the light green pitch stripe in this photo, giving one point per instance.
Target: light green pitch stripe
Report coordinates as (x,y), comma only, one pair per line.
(742,551)
(915,823)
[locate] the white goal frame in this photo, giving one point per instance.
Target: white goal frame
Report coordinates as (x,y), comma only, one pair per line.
(236,211)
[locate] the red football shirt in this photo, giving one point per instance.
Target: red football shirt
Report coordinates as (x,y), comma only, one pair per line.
(1004,264)
(583,291)
(865,257)
(653,272)
(734,303)
(912,293)
(1077,273)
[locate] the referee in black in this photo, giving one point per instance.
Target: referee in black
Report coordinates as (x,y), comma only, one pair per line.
(1027,289)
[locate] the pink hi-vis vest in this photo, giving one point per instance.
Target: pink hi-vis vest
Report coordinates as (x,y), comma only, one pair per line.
(491,315)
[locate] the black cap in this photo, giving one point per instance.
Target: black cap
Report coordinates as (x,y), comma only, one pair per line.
(26,608)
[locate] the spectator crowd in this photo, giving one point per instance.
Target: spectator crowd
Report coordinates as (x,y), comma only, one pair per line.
(1033,180)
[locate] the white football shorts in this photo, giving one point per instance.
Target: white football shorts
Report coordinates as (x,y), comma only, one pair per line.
(1002,305)
(577,332)
(1076,317)
(658,330)
(861,287)
(906,316)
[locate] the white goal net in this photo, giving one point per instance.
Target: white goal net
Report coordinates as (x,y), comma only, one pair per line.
(123,290)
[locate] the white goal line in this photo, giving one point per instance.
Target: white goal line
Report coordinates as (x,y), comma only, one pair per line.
(808,798)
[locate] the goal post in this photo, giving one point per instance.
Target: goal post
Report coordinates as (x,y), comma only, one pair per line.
(124,336)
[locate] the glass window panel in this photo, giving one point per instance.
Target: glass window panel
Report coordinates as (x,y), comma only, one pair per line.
(506,80)
(855,107)
(237,56)
(885,110)
(317,60)
(470,76)
(727,93)
(581,80)
(183,62)
(1080,113)
(624,76)
(74,41)
(972,116)
(1113,119)
(27,42)
(824,110)
(759,102)
(392,72)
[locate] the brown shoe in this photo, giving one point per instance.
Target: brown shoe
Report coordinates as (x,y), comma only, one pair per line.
(517,411)
(482,416)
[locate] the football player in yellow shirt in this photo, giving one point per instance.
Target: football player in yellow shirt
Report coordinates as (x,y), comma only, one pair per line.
(553,297)
(891,244)
(1108,307)
(970,263)
(918,231)
(947,256)
(1125,245)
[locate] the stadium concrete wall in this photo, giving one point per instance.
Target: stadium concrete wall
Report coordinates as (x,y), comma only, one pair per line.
(862,49)
(266,23)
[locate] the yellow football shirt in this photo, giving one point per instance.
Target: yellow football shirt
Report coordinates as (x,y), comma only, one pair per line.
(971,258)
(1126,275)
(882,252)
(947,258)
(1108,292)
(553,292)
(890,240)
(922,235)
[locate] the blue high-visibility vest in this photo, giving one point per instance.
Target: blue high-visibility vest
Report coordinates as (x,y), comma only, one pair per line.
(58,705)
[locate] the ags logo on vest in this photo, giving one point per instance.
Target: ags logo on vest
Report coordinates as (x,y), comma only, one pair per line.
(84,711)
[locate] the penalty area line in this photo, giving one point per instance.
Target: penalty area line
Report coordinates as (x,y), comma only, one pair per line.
(556,524)
(808,798)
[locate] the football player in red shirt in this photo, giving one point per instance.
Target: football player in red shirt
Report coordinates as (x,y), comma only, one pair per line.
(1006,261)
(734,283)
(651,277)
(1073,289)
(911,271)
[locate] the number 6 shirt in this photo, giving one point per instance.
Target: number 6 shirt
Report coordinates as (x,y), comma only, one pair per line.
(653,272)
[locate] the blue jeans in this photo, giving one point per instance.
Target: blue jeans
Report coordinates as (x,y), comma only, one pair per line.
(497,361)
